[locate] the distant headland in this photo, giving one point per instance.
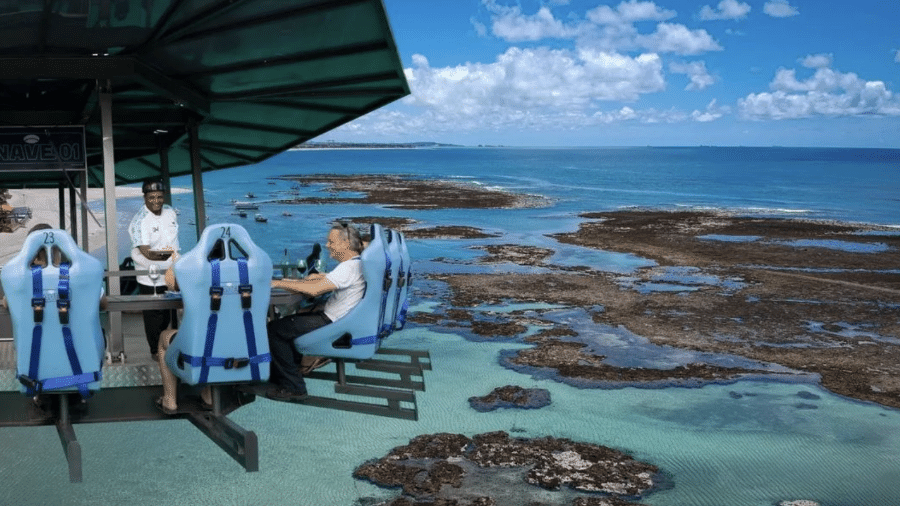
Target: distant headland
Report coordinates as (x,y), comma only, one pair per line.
(373,145)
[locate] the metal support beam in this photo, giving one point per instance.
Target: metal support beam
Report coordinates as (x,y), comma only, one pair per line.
(84,211)
(241,444)
(115,346)
(72,213)
(197,175)
(70,444)
(164,166)
(62,206)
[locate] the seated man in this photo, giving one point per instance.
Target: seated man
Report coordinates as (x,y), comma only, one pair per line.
(347,287)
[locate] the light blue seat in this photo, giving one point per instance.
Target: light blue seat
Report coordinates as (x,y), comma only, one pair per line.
(355,336)
(55,314)
(403,281)
(225,283)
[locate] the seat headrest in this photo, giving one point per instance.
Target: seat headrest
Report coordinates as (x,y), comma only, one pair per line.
(47,239)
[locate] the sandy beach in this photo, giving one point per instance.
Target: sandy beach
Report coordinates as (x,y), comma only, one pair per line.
(44,204)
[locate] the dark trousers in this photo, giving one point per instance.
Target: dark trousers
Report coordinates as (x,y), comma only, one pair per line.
(155,320)
(285,359)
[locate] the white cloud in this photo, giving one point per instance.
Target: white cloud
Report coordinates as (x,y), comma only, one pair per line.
(815,61)
(696,72)
(780,9)
(897,57)
(513,26)
(713,112)
(629,12)
(673,38)
(480,28)
(727,9)
(826,93)
(604,28)
(539,89)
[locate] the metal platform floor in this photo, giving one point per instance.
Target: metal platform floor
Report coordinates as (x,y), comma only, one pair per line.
(139,369)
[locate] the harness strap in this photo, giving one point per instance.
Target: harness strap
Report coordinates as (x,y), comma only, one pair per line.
(401,317)
(245,289)
(401,281)
(384,330)
(37,304)
(207,360)
(62,304)
(226,362)
(215,302)
(78,378)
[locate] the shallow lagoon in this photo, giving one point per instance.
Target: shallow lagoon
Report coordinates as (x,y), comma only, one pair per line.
(750,443)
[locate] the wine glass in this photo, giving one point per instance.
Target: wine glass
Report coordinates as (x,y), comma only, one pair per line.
(154,275)
(301,268)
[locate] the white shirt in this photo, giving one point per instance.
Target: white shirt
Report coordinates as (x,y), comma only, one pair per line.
(158,233)
(351,286)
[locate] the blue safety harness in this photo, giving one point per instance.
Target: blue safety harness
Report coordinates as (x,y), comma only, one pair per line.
(386,328)
(78,378)
(405,278)
(216,291)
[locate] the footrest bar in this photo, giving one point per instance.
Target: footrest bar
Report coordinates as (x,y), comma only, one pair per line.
(389,411)
(405,383)
(417,358)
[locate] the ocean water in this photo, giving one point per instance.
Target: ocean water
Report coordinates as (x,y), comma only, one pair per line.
(750,443)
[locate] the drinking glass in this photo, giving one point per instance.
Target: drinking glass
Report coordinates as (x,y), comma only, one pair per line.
(154,275)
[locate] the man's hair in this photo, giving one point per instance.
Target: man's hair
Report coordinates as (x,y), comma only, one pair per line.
(40,226)
(152,186)
(352,235)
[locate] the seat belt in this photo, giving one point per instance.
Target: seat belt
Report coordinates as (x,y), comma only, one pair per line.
(215,303)
(245,289)
(384,330)
(405,279)
(33,385)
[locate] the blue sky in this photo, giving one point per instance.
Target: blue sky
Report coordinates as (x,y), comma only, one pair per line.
(635,73)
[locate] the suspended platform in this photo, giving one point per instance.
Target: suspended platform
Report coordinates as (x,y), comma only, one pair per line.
(385,385)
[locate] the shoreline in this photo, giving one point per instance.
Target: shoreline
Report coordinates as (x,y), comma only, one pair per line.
(44,204)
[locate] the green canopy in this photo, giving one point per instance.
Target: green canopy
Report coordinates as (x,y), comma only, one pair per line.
(256,77)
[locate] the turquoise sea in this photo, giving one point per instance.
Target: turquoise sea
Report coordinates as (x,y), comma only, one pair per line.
(750,443)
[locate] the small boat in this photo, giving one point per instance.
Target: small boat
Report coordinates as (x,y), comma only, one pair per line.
(250,195)
(245,205)
(286,214)
(260,218)
(242,214)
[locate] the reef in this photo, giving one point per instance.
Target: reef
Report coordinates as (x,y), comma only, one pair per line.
(409,192)
(453,469)
(826,312)
(511,396)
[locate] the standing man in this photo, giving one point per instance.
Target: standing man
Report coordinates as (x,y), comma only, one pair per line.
(154,237)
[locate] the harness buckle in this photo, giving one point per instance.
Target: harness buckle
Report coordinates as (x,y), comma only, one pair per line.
(38,304)
(63,306)
(235,363)
(246,298)
(215,297)
(32,385)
